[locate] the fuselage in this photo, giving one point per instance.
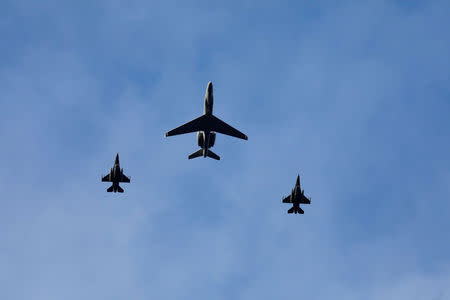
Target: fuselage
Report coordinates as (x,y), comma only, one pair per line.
(115,175)
(208,139)
(296,196)
(209,99)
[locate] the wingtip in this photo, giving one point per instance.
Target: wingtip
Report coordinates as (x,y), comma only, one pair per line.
(167,134)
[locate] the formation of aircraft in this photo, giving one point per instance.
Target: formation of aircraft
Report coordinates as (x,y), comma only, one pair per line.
(206,127)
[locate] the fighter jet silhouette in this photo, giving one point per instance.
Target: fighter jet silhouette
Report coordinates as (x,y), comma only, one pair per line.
(115,176)
(296,197)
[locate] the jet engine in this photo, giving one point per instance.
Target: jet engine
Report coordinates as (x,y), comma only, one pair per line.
(212,139)
(200,139)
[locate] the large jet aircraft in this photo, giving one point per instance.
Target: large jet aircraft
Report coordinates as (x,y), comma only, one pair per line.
(206,127)
(115,176)
(296,197)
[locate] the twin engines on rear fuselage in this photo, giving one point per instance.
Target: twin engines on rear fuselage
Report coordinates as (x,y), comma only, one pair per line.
(201,139)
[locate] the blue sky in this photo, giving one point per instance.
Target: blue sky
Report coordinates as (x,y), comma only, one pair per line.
(352,95)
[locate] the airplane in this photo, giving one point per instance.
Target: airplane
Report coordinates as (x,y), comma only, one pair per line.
(296,197)
(206,127)
(115,176)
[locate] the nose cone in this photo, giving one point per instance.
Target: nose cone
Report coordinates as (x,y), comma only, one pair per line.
(209,87)
(117,159)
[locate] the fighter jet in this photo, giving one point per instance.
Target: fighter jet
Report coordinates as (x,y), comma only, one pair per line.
(115,176)
(296,197)
(206,127)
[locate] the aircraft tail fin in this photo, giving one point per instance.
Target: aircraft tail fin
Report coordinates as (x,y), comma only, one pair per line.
(110,189)
(119,189)
(196,154)
(211,154)
(291,210)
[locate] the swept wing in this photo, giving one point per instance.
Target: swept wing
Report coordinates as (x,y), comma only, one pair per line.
(287,199)
(124,178)
(207,123)
(305,200)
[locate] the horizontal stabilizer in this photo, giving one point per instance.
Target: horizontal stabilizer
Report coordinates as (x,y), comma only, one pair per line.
(110,189)
(119,189)
(211,154)
(199,153)
(295,210)
(196,154)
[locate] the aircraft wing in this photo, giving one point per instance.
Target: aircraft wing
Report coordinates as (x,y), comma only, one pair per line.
(106,179)
(207,123)
(305,200)
(287,199)
(124,178)
(222,127)
(197,124)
